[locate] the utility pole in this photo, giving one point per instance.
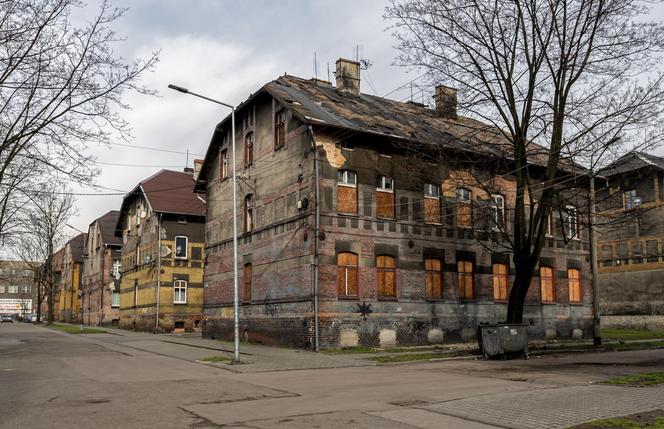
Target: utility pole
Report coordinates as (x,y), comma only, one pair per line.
(597,336)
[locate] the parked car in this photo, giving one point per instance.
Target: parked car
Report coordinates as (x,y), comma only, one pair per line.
(30,318)
(6,318)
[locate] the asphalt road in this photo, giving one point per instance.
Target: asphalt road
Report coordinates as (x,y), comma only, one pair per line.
(50,379)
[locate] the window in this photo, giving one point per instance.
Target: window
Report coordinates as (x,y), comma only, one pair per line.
(249,149)
(116,269)
(138,254)
(181,247)
(26,289)
(629,197)
(550,225)
(179,292)
(465,277)
(247,282)
(574,283)
(115,300)
(223,164)
(135,293)
(347,275)
(248,213)
(386,269)
(463,208)
(546,284)
(347,145)
(347,192)
(279,129)
(498,212)
(431,203)
(433,278)
(384,197)
(500,280)
(12,289)
(571,222)
(2,288)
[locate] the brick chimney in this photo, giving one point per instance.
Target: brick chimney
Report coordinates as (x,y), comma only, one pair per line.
(446,101)
(198,163)
(348,76)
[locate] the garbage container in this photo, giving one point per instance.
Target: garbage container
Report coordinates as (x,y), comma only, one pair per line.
(502,340)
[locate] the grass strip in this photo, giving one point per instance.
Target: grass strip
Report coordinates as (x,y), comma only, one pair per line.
(75,329)
(638,380)
(647,420)
(215,359)
(414,357)
(631,334)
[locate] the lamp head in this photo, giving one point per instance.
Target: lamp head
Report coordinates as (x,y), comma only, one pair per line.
(178,88)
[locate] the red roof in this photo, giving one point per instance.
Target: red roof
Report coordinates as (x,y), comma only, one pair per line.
(171,192)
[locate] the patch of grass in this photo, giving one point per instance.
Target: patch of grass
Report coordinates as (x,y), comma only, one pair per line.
(635,346)
(414,357)
(215,359)
(631,334)
(352,350)
(638,380)
(648,420)
(75,329)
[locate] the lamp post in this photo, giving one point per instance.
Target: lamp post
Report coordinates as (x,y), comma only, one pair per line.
(236,306)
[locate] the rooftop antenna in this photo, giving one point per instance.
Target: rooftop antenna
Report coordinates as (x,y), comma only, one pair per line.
(328,72)
(411,91)
(186,163)
(315,67)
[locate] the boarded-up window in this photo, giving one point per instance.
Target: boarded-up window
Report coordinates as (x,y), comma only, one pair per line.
(546,284)
(385,197)
(433,278)
(653,251)
(347,275)
(574,282)
(464,211)
(500,279)
(431,203)
(347,192)
(279,129)
(465,277)
(249,149)
(248,271)
(386,270)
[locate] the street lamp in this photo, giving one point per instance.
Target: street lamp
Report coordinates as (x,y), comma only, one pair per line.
(236,306)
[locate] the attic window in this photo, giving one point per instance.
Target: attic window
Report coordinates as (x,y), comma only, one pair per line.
(279,129)
(182,219)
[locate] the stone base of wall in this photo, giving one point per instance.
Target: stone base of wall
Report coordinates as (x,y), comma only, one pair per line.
(652,323)
(167,322)
(353,331)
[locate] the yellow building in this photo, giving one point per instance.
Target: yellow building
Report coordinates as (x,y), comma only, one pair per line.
(162,225)
(70,280)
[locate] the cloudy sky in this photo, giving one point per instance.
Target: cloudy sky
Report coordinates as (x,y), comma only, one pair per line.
(226,50)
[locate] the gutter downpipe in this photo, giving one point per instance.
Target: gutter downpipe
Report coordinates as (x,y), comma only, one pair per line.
(316,240)
(156,323)
(101,286)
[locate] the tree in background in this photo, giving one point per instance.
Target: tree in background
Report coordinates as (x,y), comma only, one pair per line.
(580,78)
(61,87)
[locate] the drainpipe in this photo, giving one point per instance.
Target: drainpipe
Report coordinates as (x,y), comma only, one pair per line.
(316,239)
(101,287)
(156,324)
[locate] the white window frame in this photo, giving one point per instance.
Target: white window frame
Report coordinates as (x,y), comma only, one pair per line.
(2,288)
(117,266)
(498,210)
(460,194)
(186,247)
(179,285)
(343,178)
(568,231)
(25,289)
(12,289)
(431,190)
(629,202)
(383,182)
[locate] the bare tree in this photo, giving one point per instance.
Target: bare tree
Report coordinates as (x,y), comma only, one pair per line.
(40,234)
(576,77)
(61,87)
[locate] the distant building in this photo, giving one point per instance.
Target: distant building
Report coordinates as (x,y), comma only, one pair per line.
(409,200)
(631,244)
(100,293)
(70,280)
(163,204)
(17,288)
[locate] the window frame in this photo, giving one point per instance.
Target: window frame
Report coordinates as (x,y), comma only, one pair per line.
(249,143)
(465,202)
(496,211)
(342,178)
(574,280)
(382,271)
(249,205)
(463,274)
(381,182)
(279,128)
(186,247)
(430,273)
(552,279)
(568,209)
(343,181)
(223,164)
(179,282)
(346,269)
(500,276)
(431,190)
(628,203)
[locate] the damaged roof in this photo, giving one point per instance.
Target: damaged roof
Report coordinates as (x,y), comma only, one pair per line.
(633,161)
(321,104)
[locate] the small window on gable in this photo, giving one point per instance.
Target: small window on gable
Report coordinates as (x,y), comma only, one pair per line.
(181,245)
(279,128)
(179,292)
(347,192)
(249,149)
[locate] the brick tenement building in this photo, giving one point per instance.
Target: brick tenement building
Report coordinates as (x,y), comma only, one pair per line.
(397,255)
(100,292)
(632,241)
(163,203)
(70,280)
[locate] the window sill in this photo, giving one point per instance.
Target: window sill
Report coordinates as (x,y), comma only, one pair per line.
(347,214)
(181,259)
(576,303)
(348,298)
(433,223)
(467,301)
(434,300)
(386,218)
(500,301)
(548,303)
(387,298)
(179,303)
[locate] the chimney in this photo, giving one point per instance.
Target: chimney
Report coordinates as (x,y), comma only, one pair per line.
(198,163)
(348,77)
(446,101)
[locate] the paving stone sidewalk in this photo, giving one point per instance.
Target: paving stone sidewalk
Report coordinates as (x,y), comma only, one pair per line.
(555,407)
